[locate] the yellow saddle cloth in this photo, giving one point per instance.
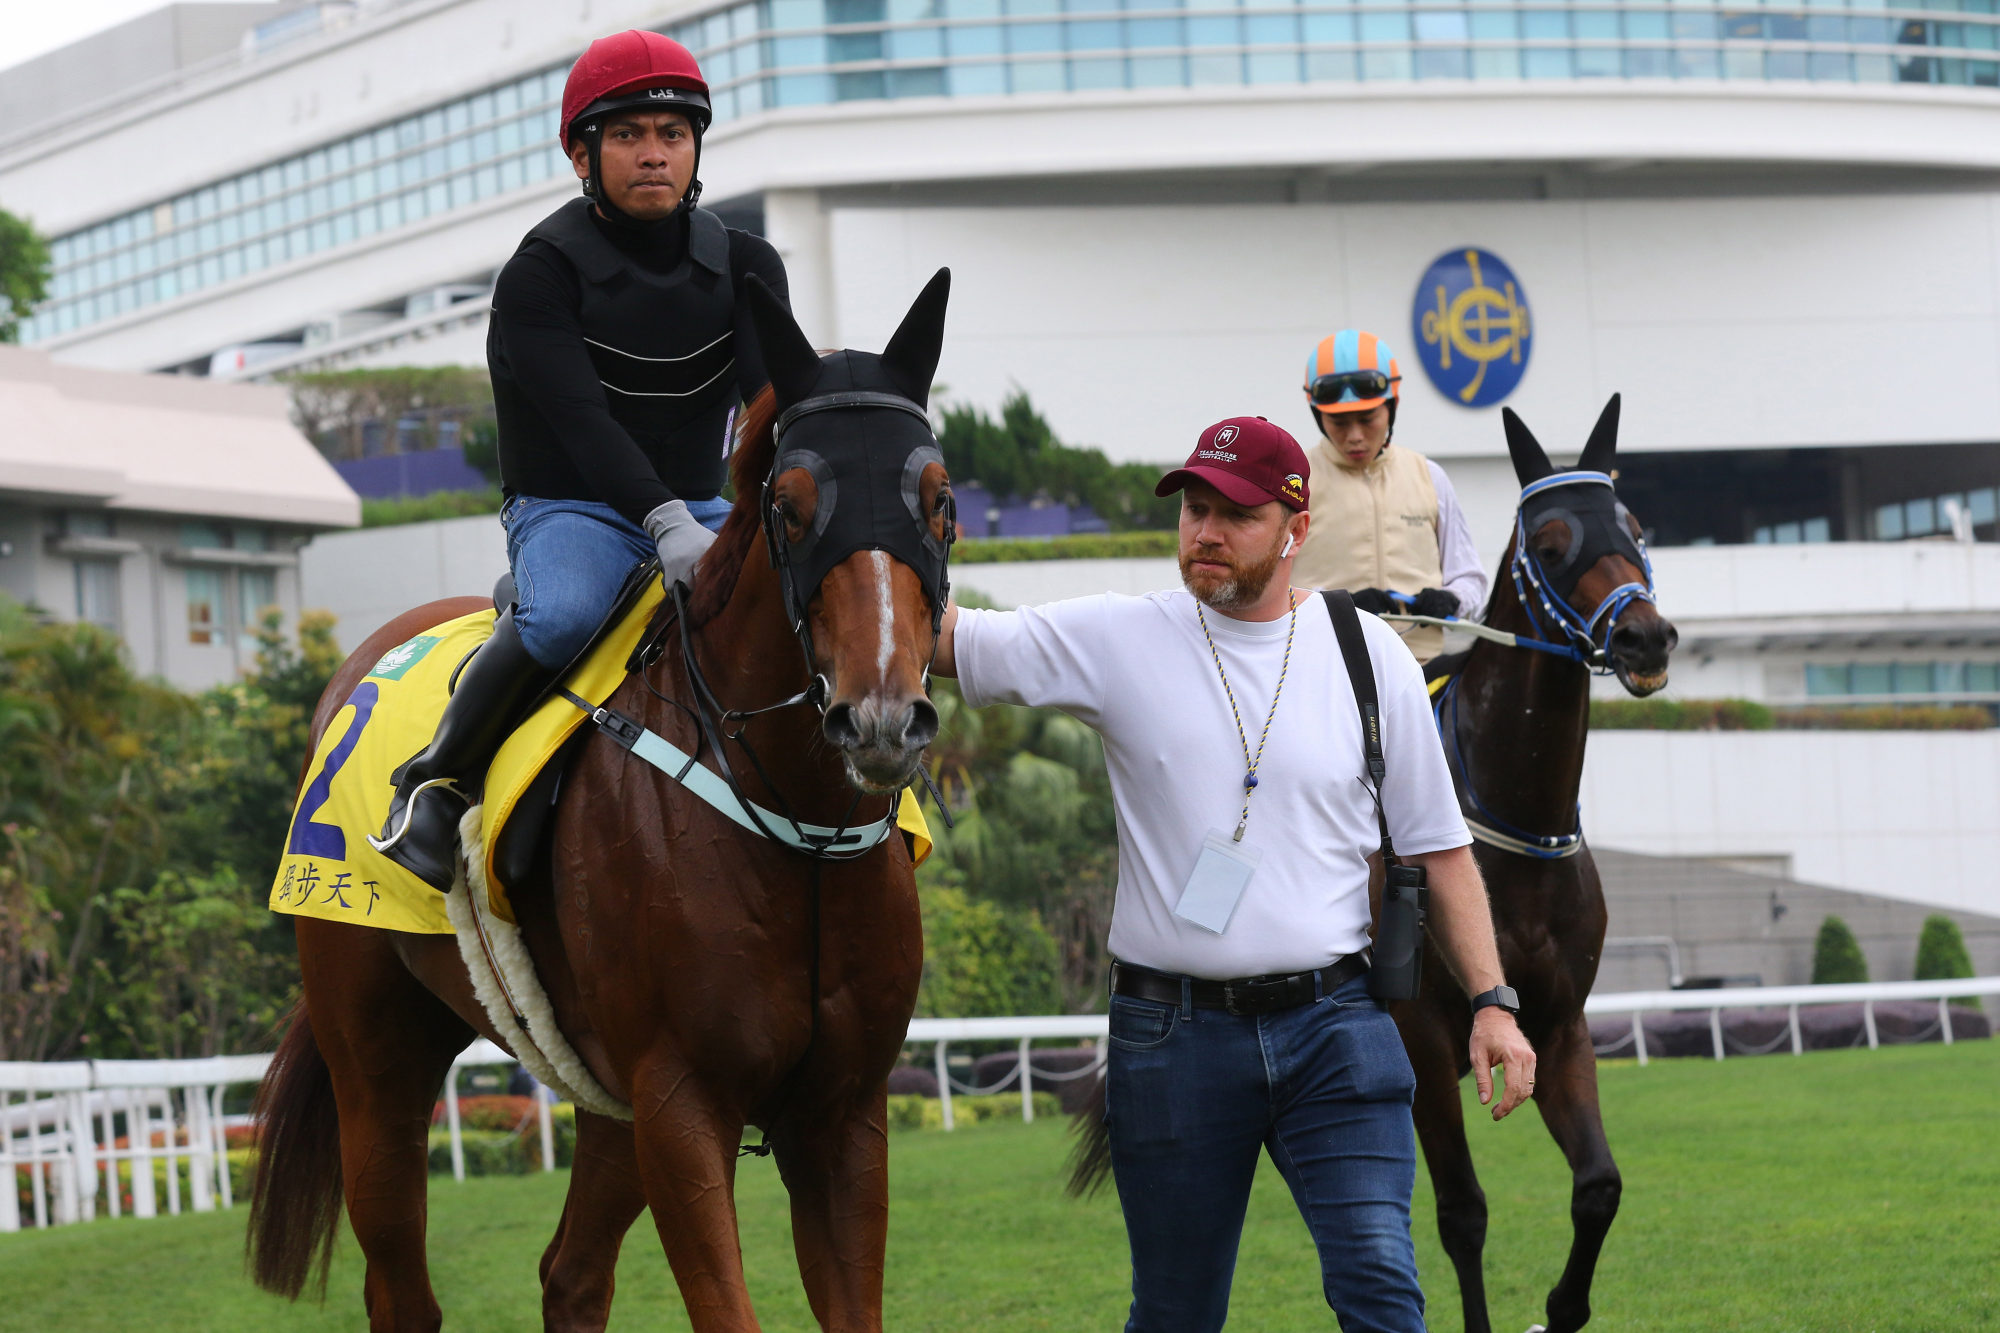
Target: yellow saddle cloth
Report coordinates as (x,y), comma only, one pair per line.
(329,870)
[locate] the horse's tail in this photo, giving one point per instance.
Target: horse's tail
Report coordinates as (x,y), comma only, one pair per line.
(1090,1158)
(295,1202)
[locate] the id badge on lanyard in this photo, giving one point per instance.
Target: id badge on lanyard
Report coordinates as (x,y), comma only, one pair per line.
(1215,887)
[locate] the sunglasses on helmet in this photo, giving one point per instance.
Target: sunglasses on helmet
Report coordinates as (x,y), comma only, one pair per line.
(1328,390)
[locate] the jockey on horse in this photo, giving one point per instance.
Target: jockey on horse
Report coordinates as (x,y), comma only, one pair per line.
(619,349)
(1391,528)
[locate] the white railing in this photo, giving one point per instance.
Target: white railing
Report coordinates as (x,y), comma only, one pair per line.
(1867,993)
(63,1127)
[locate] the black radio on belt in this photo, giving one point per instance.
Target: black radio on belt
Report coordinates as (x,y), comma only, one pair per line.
(1399,930)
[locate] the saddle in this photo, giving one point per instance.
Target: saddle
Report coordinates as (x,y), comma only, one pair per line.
(328,869)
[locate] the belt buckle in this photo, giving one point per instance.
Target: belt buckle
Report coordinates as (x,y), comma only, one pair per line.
(1251,996)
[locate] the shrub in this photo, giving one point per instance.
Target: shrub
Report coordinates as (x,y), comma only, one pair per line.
(511,1115)
(983,959)
(1837,956)
(1679,715)
(1942,955)
(488,1152)
(913,1112)
(390,511)
(1886,717)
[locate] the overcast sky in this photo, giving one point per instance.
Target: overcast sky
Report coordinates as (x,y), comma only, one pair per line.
(31,27)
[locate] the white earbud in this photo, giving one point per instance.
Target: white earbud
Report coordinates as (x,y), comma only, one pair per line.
(1290,541)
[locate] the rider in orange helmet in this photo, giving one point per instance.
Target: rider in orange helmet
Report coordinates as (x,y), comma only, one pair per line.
(1386,523)
(619,352)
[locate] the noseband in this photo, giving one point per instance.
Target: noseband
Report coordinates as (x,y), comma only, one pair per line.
(1585,639)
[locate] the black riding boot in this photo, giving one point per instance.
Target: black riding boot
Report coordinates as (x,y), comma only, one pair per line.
(494,690)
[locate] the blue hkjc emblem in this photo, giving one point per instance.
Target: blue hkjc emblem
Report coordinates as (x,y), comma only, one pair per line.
(1471,327)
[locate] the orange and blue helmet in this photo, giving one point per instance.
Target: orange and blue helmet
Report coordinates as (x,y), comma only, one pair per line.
(1352,371)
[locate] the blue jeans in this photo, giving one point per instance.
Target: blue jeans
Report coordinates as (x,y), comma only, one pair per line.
(1193,1095)
(570,558)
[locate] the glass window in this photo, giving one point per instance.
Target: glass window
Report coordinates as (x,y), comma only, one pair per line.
(1496,64)
(97,594)
(204,605)
(1920,517)
(1982,505)
(1889,523)
(1385,65)
(1599,62)
(1871,678)
(1275,30)
(1495,25)
(1545,25)
(1213,30)
(1910,678)
(1272,67)
(255,590)
(1448,25)
(1443,63)
(1104,72)
(978,80)
(1982,677)
(1598,25)
(1818,530)
(1035,37)
(1143,33)
(1389,27)
(1822,678)
(1648,25)
(1546,63)
(1947,677)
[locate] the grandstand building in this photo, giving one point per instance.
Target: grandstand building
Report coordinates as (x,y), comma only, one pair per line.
(1775,228)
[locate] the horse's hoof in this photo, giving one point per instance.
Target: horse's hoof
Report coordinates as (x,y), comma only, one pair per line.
(1538,1328)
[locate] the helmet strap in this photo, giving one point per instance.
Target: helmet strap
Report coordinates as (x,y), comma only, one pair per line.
(593,139)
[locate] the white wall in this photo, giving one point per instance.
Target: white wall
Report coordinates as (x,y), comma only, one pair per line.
(1905,814)
(1725,322)
(368,578)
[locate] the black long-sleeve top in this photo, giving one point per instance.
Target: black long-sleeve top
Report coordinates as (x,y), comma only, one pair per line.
(563,433)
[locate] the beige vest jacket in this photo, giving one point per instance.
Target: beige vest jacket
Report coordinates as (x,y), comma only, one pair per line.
(1374,528)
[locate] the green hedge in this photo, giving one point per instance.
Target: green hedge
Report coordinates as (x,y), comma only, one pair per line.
(1837,956)
(388,513)
(500,1152)
(911,1111)
(1744,715)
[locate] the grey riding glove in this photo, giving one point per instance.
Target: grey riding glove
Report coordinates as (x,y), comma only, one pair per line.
(680,539)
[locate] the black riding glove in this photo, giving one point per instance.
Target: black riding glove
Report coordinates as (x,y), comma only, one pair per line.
(1435,602)
(1373,600)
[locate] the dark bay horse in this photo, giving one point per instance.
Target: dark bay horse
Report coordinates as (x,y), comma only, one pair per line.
(1514,723)
(1515,719)
(711,978)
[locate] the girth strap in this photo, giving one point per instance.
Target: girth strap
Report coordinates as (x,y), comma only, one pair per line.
(704,782)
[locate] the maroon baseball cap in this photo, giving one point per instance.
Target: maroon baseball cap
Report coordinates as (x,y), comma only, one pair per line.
(1249,460)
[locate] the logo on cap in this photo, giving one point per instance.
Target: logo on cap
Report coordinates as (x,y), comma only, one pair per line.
(1226,436)
(1295,486)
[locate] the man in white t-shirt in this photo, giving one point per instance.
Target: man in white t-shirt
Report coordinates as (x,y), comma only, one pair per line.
(1233,740)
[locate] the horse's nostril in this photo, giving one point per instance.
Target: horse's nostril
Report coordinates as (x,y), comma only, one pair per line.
(922,727)
(842,726)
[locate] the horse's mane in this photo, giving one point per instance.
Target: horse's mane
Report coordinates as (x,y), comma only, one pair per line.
(748,466)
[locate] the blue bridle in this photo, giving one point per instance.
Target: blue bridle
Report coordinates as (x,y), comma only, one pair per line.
(1585,640)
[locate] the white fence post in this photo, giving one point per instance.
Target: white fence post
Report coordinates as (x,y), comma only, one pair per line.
(139,1152)
(548,1130)
(1944,1018)
(451,1122)
(1715,1029)
(1639,1034)
(1798,1045)
(1027,1086)
(1868,1021)
(10,1180)
(944,1084)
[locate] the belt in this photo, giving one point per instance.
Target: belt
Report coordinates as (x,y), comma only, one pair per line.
(1243,996)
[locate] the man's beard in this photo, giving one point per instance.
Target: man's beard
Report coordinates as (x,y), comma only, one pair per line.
(1243,586)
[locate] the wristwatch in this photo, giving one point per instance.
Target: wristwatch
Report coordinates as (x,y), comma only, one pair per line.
(1500,997)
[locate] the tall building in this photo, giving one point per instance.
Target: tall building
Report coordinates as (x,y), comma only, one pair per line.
(1774,228)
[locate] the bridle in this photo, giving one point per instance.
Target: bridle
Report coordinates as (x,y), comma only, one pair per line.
(1585,640)
(801,567)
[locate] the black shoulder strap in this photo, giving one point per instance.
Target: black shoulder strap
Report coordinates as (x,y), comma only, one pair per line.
(1361,671)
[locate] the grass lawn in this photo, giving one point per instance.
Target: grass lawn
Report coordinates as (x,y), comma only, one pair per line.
(1841,1192)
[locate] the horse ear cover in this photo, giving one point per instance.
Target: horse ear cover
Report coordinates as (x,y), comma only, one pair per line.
(911,358)
(1603,446)
(1531,463)
(788,353)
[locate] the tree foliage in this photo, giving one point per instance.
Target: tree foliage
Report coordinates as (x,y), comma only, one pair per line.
(1019,456)
(984,960)
(1837,956)
(340,410)
(1941,951)
(139,828)
(24,273)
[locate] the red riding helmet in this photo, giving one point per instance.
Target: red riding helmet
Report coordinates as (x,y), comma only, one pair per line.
(631,69)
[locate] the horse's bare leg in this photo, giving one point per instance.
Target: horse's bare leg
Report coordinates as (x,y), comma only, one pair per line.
(579,1269)
(388,1044)
(686,1146)
(1566,1092)
(836,1167)
(1440,1119)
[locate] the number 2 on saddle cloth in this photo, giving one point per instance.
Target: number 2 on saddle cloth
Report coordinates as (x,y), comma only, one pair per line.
(329,870)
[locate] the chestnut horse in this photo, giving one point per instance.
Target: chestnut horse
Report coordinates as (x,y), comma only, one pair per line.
(710,977)
(1575,595)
